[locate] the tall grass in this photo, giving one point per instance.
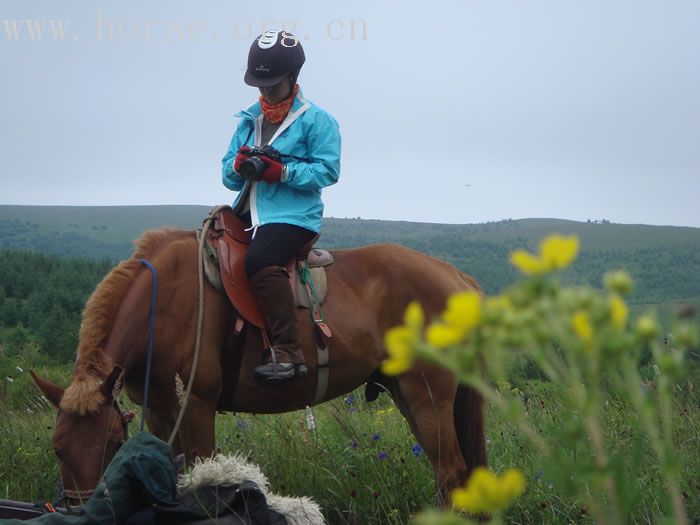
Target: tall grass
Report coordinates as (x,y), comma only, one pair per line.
(360,461)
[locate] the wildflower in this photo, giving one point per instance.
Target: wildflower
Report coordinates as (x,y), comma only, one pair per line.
(349,399)
(495,307)
(486,492)
(382,455)
(375,437)
(462,315)
(19,369)
(242,424)
(399,343)
(417,450)
(687,335)
(400,340)
(618,311)
(527,263)
(413,317)
(310,419)
(618,281)
(463,310)
(556,253)
(442,336)
(647,327)
(9,379)
(581,323)
(353,444)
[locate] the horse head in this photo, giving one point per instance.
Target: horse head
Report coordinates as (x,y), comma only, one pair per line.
(90,429)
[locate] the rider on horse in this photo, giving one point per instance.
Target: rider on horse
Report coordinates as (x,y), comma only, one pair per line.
(280,187)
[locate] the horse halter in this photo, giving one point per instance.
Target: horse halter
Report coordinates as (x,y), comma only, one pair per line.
(66,495)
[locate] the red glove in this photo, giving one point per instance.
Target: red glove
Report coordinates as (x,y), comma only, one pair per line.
(273,172)
(240,157)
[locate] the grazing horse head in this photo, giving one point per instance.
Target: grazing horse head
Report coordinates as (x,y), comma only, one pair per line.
(87,409)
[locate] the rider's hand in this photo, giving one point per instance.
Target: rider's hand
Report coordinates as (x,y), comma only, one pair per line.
(242,155)
(273,171)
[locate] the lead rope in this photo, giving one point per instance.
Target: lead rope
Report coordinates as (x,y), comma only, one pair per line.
(151,327)
(200,318)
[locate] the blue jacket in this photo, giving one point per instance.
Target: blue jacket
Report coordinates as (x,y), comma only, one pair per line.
(307,132)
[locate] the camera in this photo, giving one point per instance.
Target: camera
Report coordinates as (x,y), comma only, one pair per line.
(253,166)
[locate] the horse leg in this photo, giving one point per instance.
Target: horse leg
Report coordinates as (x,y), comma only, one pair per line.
(425,397)
(196,436)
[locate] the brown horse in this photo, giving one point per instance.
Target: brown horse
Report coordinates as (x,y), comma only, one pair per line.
(368,291)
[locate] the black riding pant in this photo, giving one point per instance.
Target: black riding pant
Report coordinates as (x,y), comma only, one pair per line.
(275,245)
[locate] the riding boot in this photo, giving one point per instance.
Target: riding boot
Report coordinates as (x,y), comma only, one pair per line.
(274,294)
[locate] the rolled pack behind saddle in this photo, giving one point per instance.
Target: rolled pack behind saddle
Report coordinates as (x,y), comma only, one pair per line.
(224,264)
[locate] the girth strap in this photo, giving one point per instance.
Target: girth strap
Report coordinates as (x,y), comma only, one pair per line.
(322,332)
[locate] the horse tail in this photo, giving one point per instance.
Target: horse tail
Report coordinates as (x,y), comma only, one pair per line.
(469,424)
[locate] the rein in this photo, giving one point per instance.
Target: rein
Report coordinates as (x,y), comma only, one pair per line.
(200,318)
(151,327)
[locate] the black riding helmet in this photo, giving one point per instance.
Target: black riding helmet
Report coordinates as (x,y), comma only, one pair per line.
(273,56)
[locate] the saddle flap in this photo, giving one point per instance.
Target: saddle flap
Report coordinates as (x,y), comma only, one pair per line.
(232,247)
(232,225)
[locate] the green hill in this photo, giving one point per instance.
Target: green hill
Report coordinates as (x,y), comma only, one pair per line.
(664,260)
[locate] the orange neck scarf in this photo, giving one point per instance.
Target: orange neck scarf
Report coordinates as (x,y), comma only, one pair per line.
(276,113)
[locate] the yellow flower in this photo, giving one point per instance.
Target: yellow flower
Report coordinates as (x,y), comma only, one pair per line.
(618,311)
(462,315)
(527,263)
(413,317)
(399,343)
(556,253)
(485,492)
(441,335)
(581,323)
(463,311)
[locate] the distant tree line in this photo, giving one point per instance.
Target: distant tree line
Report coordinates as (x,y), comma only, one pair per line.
(42,295)
(41,300)
(23,235)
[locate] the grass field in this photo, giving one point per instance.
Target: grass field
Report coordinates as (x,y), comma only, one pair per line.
(361,463)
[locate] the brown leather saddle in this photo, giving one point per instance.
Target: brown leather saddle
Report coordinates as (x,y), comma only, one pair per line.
(228,241)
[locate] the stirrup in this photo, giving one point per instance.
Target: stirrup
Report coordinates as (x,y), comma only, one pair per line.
(274,371)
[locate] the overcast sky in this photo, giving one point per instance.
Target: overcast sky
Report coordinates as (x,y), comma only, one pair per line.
(450,111)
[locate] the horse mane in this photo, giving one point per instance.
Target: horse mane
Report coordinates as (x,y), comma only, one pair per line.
(92,365)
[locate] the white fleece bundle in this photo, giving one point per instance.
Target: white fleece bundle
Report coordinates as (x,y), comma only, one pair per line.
(233,470)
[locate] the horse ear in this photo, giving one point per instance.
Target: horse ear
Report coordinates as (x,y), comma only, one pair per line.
(107,386)
(51,392)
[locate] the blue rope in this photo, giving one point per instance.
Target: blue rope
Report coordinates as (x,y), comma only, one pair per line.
(149,352)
